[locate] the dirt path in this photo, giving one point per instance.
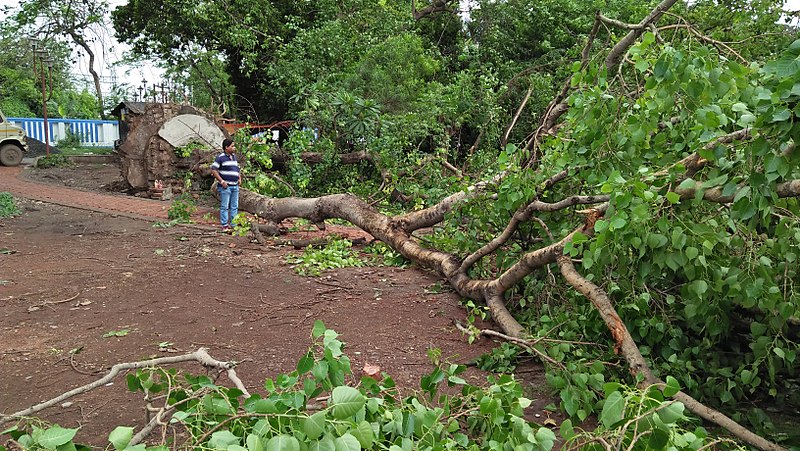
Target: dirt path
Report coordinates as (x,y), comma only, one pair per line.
(84,287)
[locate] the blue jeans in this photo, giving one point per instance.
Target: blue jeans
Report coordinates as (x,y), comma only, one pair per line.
(228,199)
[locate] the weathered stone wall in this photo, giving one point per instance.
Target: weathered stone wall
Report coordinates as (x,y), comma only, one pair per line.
(146,157)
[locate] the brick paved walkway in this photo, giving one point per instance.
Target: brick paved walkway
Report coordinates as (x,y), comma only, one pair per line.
(11,180)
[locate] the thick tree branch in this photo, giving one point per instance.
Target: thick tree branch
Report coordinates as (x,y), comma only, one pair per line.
(704,38)
(436,6)
(618,51)
(529,262)
(694,162)
(789,188)
(524,213)
(504,139)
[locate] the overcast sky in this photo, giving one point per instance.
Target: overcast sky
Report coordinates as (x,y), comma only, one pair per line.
(107,51)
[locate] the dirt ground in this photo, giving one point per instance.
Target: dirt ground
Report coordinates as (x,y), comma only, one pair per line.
(83,290)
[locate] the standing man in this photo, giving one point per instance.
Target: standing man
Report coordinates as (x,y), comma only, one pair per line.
(226,170)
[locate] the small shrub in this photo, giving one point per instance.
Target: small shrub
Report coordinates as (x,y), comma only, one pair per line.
(182,209)
(55,160)
(186,151)
(241,225)
(71,141)
(8,206)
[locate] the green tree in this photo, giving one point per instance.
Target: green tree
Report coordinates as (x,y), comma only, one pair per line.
(78,22)
(21,88)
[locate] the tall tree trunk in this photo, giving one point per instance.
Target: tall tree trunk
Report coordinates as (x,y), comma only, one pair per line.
(95,76)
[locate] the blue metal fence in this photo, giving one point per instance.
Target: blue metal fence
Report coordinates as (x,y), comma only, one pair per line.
(92,133)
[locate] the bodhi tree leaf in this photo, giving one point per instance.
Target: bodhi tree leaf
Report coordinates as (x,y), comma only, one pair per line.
(120,437)
(346,401)
(55,437)
(613,409)
(283,442)
(314,425)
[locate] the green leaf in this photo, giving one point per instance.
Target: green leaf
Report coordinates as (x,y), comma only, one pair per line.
(69,446)
(613,409)
(318,330)
(545,438)
(671,387)
(55,437)
(217,405)
(325,444)
(744,192)
(611,387)
(254,443)
(658,439)
(688,183)
(305,363)
(346,401)
(120,437)
(781,115)
(283,442)
(699,287)
(579,237)
(347,443)
(314,425)
(223,439)
(757,329)
(673,197)
(672,412)
(739,107)
(364,434)
(716,181)
(567,430)
(618,222)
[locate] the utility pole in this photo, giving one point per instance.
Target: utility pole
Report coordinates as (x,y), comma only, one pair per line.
(40,53)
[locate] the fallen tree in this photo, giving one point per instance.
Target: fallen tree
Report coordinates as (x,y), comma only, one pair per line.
(624,181)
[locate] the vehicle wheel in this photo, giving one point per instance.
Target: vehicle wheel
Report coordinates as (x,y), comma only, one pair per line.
(10,155)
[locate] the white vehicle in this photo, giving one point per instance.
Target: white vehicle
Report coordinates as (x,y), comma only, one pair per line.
(12,142)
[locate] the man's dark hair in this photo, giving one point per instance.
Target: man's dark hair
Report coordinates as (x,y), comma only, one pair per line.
(226,142)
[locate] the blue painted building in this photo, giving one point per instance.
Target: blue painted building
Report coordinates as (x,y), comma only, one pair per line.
(92,133)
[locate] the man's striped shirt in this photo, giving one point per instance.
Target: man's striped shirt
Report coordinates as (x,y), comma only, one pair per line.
(228,168)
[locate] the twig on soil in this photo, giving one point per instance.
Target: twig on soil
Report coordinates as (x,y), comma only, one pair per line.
(75,367)
(86,415)
(200,356)
(60,302)
(351,287)
(95,258)
(244,307)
